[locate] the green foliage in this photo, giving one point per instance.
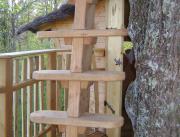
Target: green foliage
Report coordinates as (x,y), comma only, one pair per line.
(15,13)
(127,46)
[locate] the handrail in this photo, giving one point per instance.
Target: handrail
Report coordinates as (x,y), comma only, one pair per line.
(30,53)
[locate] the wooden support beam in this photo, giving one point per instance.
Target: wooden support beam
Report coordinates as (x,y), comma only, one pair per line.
(84,76)
(114,90)
(80,61)
(6,81)
(51,88)
(82,33)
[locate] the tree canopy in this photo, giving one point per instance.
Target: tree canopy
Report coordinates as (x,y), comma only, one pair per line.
(13,14)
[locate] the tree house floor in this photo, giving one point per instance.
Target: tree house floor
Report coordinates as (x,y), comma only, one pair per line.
(86,120)
(84,76)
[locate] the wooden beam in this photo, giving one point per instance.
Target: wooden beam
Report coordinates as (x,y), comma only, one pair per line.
(84,76)
(79,64)
(85,120)
(114,90)
(82,33)
(6,81)
(51,88)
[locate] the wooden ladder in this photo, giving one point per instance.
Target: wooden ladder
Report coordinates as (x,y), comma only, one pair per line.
(76,116)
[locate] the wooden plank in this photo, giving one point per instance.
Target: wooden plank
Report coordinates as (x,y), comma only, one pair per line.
(74,99)
(41,89)
(6,81)
(82,33)
(24,99)
(29,97)
(30,53)
(77,55)
(71,131)
(100,63)
(86,120)
(51,88)
(16,101)
(84,76)
(114,90)
(36,90)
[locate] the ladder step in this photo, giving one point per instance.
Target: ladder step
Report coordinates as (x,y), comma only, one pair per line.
(84,76)
(86,120)
(82,33)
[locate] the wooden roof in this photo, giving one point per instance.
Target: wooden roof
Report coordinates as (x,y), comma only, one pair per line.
(65,11)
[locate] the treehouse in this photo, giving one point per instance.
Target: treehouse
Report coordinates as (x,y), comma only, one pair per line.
(81,70)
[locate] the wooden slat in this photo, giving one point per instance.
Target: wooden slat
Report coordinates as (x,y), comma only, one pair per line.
(36,90)
(41,88)
(30,53)
(74,98)
(86,120)
(84,76)
(82,33)
(24,100)
(23,84)
(29,98)
(16,100)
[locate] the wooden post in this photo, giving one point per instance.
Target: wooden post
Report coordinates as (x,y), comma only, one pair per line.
(51,88)
(114,89)
(6,98)
(80,61)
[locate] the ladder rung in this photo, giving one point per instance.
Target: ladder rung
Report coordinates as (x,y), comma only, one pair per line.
(84,76)
(82,33)
(86,120)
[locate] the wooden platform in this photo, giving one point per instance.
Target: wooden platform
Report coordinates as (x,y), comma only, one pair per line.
(84,76)
(87,120)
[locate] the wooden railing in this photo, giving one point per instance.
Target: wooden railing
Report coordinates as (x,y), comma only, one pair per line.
(20,94)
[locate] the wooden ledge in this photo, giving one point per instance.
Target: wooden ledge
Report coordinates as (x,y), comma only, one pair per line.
(82,33)
(86,120)
(84,76)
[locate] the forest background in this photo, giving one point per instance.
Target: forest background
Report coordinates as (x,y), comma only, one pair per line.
(15,13)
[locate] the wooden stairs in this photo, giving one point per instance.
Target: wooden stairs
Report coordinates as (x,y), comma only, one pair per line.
(76,116)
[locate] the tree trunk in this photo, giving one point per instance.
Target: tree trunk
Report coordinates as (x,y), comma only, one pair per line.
(153,99)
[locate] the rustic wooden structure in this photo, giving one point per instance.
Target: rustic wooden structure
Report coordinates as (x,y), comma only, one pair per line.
(75,117)
(24,94)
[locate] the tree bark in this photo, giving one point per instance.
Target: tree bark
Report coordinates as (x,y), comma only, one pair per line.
(153,99)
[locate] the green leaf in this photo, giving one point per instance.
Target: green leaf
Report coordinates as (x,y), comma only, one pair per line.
(127,46)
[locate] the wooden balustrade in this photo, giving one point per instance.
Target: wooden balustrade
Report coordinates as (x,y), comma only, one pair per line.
(20,94)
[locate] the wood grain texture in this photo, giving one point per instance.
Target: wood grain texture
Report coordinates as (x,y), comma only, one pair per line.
(115,20)
(84,76)
(86,120)
(82,33)
(6,99)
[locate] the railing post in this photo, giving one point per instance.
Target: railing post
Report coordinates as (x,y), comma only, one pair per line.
(51,87)
(6,98)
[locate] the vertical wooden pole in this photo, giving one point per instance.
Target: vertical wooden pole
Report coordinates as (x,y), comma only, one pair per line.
(6,81)
(24,100)
(80,53)
(29,98)
(114,89)
(51,88)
